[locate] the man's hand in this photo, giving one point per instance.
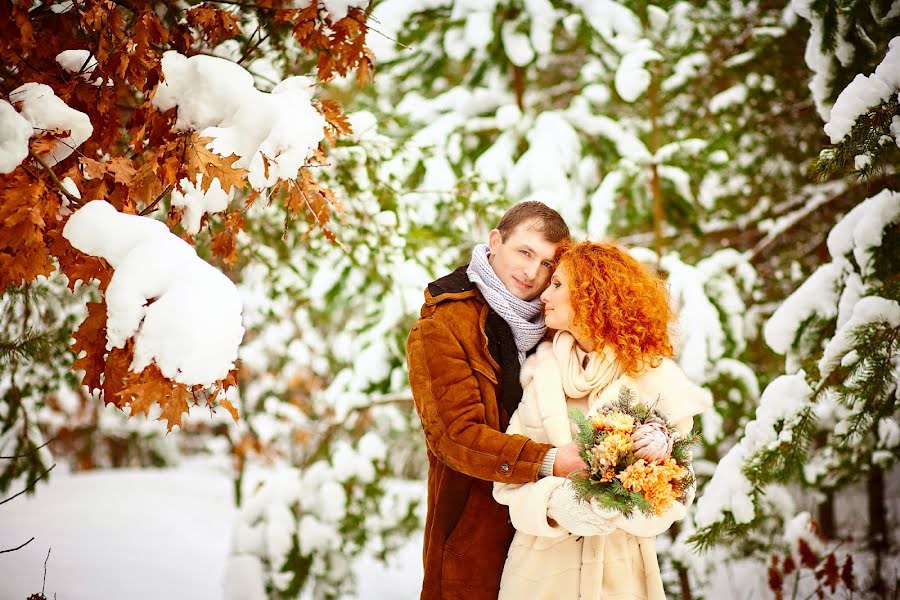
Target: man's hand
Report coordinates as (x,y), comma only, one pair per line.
(568,461)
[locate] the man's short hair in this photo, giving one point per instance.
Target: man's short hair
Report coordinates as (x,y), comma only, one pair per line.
(546,220)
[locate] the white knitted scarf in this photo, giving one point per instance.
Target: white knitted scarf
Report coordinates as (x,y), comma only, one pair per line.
(525,318)
(560,373)
(580,380)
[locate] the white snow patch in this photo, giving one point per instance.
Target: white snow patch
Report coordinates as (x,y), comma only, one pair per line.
(197,203)
(184,314)
(861,230)
(734,95)
(864,93)
(869,310)
(817,295)
(41,107)
(729,490)
(217,98)
(15,131)
(632,78)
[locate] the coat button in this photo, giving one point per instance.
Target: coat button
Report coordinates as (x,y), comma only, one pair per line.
(504,467)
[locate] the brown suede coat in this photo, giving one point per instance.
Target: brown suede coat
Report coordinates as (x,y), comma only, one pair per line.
(455,352)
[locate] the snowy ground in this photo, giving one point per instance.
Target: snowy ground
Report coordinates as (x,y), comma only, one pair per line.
(147,534)
(144,534)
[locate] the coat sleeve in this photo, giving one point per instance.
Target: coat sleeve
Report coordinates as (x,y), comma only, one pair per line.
(528,502)
(451,409)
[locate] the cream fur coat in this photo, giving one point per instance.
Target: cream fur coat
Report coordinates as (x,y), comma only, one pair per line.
(546,561)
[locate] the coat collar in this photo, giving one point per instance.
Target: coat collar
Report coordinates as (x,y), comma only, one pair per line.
(454,286)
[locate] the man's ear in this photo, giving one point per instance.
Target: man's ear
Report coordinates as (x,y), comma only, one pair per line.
(495,238)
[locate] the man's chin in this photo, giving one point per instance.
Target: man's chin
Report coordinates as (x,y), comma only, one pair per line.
(521,293)
(526,297)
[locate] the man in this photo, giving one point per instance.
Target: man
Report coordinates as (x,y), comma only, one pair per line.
(465,354)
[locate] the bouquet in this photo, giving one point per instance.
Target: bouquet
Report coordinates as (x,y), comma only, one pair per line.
(636,459)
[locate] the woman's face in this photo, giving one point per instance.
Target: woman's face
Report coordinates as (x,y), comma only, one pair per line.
(558,311)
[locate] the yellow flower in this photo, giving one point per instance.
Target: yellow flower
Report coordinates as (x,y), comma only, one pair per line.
(614,446)
(614,421)
(653,481)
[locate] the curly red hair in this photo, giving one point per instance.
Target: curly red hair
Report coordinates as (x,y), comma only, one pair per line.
(619,302)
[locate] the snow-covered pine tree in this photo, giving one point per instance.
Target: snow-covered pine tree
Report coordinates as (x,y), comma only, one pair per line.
(830,421)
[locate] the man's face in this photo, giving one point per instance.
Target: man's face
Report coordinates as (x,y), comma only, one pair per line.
(524,262)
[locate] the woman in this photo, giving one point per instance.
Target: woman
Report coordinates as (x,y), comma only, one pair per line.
(612,319)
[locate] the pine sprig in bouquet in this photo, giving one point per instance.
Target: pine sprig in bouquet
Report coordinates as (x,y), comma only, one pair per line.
(636,459)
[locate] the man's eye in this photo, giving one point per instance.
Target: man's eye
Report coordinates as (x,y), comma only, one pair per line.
(548,265)
(525,252)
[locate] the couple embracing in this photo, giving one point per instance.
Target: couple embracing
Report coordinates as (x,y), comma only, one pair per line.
(535,325)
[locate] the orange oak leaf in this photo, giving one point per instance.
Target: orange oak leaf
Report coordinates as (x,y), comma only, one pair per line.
(200,159)
(115,373)
(160,170)
(224,243)
(216,24)
(26,209)
(294,200)
(335,116)
(74,264)
(320,201)
(45,142)
(229,381)
(90,338)
(148,386)
(227,405)
(365,69)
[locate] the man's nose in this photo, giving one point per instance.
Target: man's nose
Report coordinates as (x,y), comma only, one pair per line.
(531,269)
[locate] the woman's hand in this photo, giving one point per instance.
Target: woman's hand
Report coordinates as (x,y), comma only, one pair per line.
(575,516)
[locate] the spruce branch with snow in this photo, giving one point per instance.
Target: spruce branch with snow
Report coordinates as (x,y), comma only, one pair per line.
(842,326)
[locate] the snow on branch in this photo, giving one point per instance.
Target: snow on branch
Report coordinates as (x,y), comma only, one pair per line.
(273,134)
(39,106)
(783,406)
(864,93)
(15,131)
(183,314)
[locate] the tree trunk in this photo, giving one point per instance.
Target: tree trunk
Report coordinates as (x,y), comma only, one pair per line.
(518,84)
(878,531)
(825,515)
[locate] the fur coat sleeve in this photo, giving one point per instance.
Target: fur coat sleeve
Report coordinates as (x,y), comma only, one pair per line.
(528,502)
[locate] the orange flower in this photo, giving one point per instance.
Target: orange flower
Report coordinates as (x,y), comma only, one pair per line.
(608,475)
(653,481)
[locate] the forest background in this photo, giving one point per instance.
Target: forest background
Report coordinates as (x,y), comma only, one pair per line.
(330,158)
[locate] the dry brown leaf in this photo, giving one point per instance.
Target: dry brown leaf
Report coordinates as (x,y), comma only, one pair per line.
(200,159)
(90,338)
(216,24)
(148,386)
